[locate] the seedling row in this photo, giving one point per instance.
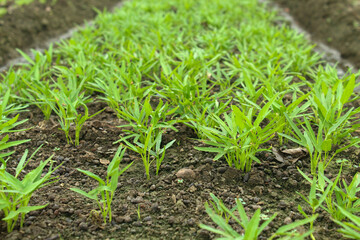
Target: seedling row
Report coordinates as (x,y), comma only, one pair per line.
(225,69)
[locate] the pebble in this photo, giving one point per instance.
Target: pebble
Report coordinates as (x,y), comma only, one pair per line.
(293,183)
(190,222)
(155,207)
(287,220)
(221,170)
(83,226)
(273,194)
(255,207)
(282,204)
(137,224)
(147,219)
(192,189)
(203,234)
(137,200)
(186,173)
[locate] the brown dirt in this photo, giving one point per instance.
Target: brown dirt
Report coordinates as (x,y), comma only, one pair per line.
(33,24)
(169,209)
(334,22)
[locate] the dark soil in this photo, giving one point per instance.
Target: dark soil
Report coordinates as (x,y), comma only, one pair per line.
(163,207)
(168,208)
(33,24)
(334,22)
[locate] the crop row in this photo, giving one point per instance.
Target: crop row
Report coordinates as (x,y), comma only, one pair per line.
(223,68)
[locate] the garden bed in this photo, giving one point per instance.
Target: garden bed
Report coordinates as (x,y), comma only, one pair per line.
(198,57)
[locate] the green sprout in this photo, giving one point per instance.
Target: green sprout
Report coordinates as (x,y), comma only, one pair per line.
(15,194)
(106,189)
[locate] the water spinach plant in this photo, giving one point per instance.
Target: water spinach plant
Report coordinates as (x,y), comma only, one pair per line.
(220,215)
(15,194)
(238,137)
(106,189)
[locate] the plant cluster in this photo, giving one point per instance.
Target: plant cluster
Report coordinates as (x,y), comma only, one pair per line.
(223,68)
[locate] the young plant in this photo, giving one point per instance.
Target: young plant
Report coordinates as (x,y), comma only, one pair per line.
(318,145)
(328,102)
(315,200)
(349,229)
(7,125)
(252,228)
(68,99)
(119,84)
(106,189)
(149,150)
(15,194)
(293,110)
(346,198)
(219,208)
(202,114)
(141,117)
(238,137)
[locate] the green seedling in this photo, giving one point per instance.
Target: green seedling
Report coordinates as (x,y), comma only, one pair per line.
(318,145)
(119,84)
(252,228)
(106,189)
(346,197)
(15,194)
(349,229)
(201,114)
(149,150)
(36,86)
(293,110)
(218,207)
(238,137)
(328,102)
(7,125)
(315,200)
(68,100)
(6,109)
(141,117)
(183,89)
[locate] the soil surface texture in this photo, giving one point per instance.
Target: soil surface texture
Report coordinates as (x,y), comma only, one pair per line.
(29,26)
(168,206)
(333,22)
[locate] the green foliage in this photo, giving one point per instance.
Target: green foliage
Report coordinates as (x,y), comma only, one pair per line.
(220,214)
(68,98)
(238,137)
(106,189)
(328,100)
(147,126)
(15,194)
(349,229)
(318,145)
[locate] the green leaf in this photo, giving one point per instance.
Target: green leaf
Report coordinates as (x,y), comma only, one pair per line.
(92,175)
(25,210)
(93,197)
(348,91)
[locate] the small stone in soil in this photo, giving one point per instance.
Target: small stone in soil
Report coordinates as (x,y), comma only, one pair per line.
(83,226)
(137,224)
(287,220)
(186,173)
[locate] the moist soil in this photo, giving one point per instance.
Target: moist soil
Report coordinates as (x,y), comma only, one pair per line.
(333,22)
(166,206)
(30,26)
